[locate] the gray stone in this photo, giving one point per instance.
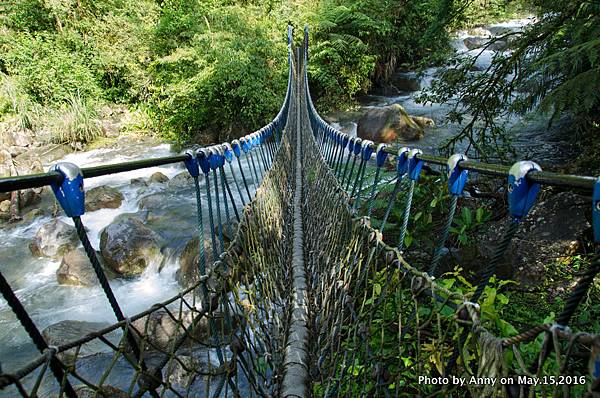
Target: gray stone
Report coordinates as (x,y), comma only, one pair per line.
(138,182)
(158,177)
(54,239)
(128,247)
(473,43)
(68,330)
(103,197)
(387,124)
(75,269)
(188,271)
(159,329)
(181,180)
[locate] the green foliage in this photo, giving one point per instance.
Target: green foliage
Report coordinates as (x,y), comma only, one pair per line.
(230,78)
(552,67)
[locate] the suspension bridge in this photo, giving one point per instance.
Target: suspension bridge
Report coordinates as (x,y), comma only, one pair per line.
(308,300)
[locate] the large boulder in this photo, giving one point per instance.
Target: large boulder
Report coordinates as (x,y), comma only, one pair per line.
(128,247)
(75,269)
(68,330)
(103,197)
(159,329)
(5,210)
(158,177)
(54,239)
(188,271)
(182,180)
(387,124)
(405,81)
(473,43)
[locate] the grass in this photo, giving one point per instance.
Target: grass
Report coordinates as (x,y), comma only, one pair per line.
(75,122)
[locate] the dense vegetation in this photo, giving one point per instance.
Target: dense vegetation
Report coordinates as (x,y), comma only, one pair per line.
(553,67)
(195,69)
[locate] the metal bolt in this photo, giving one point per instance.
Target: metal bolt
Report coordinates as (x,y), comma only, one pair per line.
(598,205)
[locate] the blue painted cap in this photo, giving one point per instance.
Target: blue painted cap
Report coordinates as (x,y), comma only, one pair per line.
(351,144)
(237,150)
(228,152)
(345,140)
(457,177)
(402,166)
(367,149)
(191,163)
(414,164)
(596,211)
(381,155)
(244,144)
(69,193)
(203,156)
(521,192)
(357,146)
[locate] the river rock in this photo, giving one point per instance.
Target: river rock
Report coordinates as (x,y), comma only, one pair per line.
(5,210)
(181,180)
(84,391)
(68,330)
(138,182)
(75,269)
(159,178)
(387,124)
(128,246)
(405,81)
(103,197)
(473,43)
(479,32)
(159,329)
(423,121)
(188,271)
(54,239)
(6,167)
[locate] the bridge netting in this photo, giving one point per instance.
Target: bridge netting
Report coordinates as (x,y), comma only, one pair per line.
(309,300)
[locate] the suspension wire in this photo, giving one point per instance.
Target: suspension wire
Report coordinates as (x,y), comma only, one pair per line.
(239,162)
(339,160)
(93,257)
(392,201)
(261,172)
(373,190)
(218,208)
(228,189)
(237,185)
(257,180)
(202,254)
(437,256)
(227,218)
(406,215)
(17,308)
(360,184)
(211,217)
(351,172)
(345,168)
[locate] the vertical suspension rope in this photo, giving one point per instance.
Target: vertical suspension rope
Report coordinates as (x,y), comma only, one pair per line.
(391,203)
(445,232)
(211,217)
(239,162)
(218,208)
(202,254)
(230,194)
(406,215)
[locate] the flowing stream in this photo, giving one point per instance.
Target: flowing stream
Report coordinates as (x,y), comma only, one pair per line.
(171,212)
(531,136)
